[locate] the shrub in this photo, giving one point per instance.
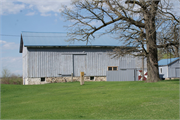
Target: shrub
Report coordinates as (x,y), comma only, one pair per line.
(8,78)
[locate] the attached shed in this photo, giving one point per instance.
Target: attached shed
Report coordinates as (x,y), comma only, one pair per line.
(47,58)
(169,68)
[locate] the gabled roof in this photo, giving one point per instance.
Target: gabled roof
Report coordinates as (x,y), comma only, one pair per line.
(167,61)
(46,39)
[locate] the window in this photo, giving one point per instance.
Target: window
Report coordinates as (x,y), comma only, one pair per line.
(109,68)
(91,77)
(160,70)
(112,68)
(42,79)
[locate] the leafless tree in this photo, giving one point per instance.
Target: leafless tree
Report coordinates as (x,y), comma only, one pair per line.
(169,34)
(6,73)
(135,22)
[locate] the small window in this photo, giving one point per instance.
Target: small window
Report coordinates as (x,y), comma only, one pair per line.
(112,68)
(161,70)
(109,68)
(91,77)
(42,79)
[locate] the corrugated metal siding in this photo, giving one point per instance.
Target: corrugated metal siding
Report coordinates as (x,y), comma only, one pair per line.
(66,64)
(44,63)
(129,61)
(25,63)
(173,69)
(121,75)
(177,72)
(59,39)
(97,63)
(167,61)
(171,72)
(50,62)
(79,64)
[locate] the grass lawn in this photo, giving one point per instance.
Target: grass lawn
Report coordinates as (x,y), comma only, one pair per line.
(94,100)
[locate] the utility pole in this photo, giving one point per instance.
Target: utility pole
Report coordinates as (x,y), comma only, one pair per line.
(142,68)
(142,60)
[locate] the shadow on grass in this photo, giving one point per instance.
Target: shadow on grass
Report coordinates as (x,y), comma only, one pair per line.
(174,81)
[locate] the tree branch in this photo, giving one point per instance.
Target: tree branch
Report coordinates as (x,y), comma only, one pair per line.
(168,44)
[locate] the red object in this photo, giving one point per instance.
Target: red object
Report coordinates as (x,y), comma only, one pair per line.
(145,73)
(139,77)
(140,70)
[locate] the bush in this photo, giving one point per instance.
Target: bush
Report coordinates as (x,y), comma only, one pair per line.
(8,78)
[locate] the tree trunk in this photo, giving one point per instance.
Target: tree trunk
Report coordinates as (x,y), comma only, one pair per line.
(152,66)
(152,57)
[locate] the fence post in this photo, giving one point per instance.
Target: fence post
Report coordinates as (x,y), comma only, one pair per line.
(71,77)
(81,78)
(142,68)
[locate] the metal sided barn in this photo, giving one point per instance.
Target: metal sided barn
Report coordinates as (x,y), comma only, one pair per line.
(48,58)
(169,68)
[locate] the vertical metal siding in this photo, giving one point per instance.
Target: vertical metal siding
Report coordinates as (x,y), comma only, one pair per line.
(177,70)
(51,62)
(121,75)
(25,65)
(173,69)
(66,64)
(79,64)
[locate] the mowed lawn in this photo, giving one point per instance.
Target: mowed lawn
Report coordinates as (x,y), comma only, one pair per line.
(94,100)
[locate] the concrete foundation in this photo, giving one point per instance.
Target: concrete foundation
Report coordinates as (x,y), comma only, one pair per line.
(36,81)
(171,78)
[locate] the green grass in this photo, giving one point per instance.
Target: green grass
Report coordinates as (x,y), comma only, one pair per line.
(94,100)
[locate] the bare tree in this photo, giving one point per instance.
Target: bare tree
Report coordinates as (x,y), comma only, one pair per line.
(135,22)
(6,73)
(169,34)
(5,76)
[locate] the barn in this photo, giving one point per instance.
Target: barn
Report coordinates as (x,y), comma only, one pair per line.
(47,58)
(169,68)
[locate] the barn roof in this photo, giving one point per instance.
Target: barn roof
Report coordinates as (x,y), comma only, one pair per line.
(46,39)
(167,61)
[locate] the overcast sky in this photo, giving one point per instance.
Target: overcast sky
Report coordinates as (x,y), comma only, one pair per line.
(26,15)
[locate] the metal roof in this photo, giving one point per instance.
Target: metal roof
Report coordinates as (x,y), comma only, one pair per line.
(59,39)
(167,61)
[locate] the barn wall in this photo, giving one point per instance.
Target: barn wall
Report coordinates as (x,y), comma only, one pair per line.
(121,75)
(25,63)
(174,69)
(51,62)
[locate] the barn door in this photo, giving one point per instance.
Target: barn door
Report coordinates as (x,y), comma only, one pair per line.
(66,65)
(79,64)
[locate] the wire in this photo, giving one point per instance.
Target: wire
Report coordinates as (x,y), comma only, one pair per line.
(33,35)
(29,36)
(9,35)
